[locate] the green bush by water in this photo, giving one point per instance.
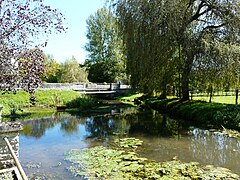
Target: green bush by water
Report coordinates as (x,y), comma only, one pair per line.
(202,112)
(83,103)
(13,103)
(45,99)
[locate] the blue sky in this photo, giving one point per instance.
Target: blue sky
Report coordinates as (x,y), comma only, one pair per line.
(65,45)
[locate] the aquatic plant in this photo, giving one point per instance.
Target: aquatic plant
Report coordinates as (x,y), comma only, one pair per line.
(108,163)
(128,142)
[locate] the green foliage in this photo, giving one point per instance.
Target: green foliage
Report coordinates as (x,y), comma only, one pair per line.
(15,103)
(100,72)
(200,111)
(106,60)
(71,71)
(177,43)
(129,99)
(83,103)
(52,98)
(128,142)
(52,69)
(123,164)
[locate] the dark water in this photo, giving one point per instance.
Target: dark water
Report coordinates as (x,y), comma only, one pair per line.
(44,141)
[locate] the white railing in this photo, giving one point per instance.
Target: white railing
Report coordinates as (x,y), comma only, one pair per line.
(85,86)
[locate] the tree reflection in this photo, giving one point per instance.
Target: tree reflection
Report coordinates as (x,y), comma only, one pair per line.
(37,127)
(154,123)
(214,148)
(103,127)
(149,123)
(69,126)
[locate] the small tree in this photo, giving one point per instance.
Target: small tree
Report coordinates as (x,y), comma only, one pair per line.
(21,23)
(30,66)
(71,71)
(52,69)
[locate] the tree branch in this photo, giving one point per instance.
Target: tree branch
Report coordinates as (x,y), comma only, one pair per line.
(198,12)
(213,26)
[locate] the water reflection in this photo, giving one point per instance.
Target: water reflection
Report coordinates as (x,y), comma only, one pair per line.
(46,140)
(209,147)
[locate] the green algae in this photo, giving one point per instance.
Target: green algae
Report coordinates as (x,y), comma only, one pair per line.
(123,163)
(128,142)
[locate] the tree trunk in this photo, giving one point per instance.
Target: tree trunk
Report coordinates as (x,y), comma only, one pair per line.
(236,96)
(185,86)
(185,77)
(211,94)
(164,91)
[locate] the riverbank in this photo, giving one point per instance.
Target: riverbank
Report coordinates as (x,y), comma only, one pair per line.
(18,105)
(48,101)
(199,112)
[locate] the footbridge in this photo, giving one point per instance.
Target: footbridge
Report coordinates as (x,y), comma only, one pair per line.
(90,88)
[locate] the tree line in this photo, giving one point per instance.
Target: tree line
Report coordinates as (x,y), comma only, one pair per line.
(151,44)
(182,43)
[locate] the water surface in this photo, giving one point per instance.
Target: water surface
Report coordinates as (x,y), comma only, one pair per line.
(44,141)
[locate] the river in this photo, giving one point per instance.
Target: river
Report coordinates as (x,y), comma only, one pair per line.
(44,141)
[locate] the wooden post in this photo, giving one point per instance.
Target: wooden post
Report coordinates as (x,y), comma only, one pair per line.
(1,107)
(211,94)
(16,160)
(236,96)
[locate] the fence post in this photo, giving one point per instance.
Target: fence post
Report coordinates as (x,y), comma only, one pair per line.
(236,96)
(16,160)
(1,107)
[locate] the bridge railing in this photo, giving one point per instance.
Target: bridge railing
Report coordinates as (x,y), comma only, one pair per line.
(85,86)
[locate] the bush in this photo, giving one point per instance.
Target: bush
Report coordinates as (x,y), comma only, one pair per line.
(83,103)
(200,112)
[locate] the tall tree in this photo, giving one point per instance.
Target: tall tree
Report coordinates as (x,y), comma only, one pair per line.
(72,72)
(105,46)
(187,24)
(52,69)
(149,50)
(22,23)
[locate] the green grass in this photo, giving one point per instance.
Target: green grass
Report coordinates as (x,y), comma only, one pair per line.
(128,99)
(215,99)
(52,98)
(200,112)
(46,101)
(218,99)
(11,101)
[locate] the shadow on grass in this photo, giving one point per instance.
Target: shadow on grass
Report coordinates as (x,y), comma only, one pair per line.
(200,112)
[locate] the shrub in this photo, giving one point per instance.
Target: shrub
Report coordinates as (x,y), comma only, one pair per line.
(83,103)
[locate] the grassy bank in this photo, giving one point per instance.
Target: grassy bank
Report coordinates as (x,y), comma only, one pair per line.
(229,99)
(47,100)
(129,98)
(199,112)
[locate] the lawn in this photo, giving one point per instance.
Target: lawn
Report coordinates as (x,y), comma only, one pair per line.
(218,99)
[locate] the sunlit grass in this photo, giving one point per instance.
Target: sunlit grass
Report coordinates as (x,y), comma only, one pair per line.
(215,99)
(218,99)
(128,99)
(46,100)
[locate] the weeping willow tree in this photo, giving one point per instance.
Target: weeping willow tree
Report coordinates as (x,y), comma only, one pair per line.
(156,30)
(150,63)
